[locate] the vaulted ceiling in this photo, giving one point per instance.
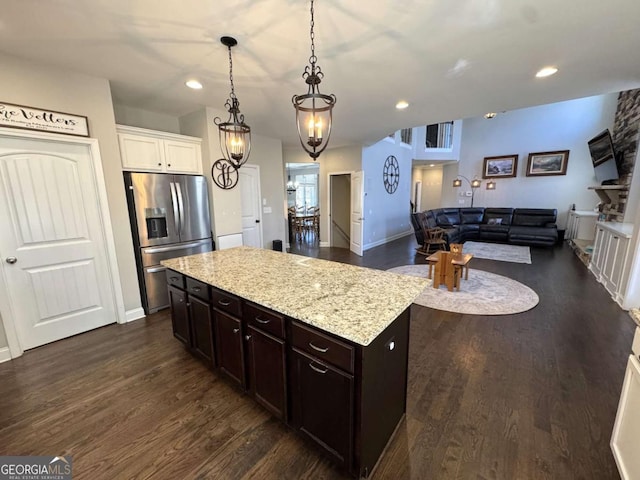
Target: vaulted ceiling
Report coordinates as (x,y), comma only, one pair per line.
(448,59)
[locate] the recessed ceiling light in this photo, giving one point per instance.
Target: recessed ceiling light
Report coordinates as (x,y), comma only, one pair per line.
(546,72)
(401,105)
(490,115)
(196,85)
(432,165)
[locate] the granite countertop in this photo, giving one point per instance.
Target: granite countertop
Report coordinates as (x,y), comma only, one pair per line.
(351,302)
(635,315)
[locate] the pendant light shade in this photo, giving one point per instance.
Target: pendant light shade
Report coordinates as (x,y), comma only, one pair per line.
(314,110)
(235,135)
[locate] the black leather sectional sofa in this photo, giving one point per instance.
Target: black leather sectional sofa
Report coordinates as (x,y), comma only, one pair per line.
(520,226)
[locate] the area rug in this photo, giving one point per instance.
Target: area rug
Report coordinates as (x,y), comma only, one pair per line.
(498,251)
(484,293)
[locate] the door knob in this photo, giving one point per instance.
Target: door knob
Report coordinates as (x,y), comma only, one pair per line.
(11,260)
(257,221)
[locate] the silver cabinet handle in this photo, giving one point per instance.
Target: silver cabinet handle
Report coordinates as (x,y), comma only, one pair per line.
(316,369)
(224,304)
(247,337)
(156,270)
(11,260)
(196,289)
(236,330)
(318,349)
(262,320)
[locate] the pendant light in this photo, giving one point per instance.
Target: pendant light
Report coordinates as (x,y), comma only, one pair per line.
(235,135)
(313,109)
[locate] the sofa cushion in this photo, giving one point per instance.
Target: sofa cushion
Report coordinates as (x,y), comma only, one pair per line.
(504,214)
(448,217)
(504,229)
(534,217)
(533,235)
(471,215)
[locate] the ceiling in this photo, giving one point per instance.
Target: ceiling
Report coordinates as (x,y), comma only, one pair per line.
(449,59)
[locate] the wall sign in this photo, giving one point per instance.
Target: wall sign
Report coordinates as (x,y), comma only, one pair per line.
(28,118)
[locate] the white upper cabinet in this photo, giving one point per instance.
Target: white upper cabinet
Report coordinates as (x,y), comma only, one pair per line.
(144,150)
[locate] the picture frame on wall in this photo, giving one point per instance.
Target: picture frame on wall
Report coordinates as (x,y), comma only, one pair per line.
(504,166)
(543,164)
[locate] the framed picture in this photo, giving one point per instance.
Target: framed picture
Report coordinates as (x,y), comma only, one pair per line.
(547,163)
(500,167)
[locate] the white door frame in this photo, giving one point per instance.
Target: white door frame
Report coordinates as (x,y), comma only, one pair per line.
(256,168)
(329,243)
(15,349)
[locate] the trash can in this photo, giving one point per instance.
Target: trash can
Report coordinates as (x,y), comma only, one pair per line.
(277,245)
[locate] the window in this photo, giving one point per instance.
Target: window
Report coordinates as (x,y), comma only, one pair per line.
(405,135)
(439,135)
(307,192)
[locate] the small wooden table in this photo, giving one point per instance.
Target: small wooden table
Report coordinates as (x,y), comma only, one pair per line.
(450,270)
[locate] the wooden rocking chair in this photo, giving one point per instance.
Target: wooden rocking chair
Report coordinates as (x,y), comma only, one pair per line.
(433,240)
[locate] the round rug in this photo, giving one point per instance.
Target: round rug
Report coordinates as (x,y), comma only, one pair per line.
(484,293)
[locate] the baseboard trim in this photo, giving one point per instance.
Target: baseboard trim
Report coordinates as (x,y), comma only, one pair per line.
(324,244)
(388,239)
(134,314)
(5,354)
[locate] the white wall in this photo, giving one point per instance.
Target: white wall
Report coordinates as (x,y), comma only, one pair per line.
(559,126)
(137,117)
(386,216)
(26,83)
(267,153)
(431,178)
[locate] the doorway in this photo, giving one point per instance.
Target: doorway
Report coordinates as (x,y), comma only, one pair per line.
(303,203)
(340,215)
(58,275)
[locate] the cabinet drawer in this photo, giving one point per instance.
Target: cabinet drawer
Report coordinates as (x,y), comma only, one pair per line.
(176,279)
(265,320)
(226,302)
(198,289)
(635,347)
(323,347)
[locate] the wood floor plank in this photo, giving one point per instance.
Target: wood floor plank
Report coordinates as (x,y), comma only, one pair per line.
(526,396)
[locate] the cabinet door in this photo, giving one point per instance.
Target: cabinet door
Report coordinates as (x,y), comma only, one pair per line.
(182,157)
(267,366)
(599,246)
(626,430)
(612,248)
(322,405)
(202,329)
(229,345)
(618,264)
(179,315)
(140,153)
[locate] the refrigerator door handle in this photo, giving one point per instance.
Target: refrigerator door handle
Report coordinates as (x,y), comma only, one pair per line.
(182,246)
(174,204)
(155,269)
(180,206)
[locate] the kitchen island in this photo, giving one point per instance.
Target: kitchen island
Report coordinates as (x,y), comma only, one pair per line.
(322,345)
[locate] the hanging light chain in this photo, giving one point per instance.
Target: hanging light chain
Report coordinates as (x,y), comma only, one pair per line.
(233,92)
(312,58)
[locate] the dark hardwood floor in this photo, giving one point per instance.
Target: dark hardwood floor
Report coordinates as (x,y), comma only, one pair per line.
(527,396)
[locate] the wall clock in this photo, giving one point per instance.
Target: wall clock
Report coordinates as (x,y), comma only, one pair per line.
(391,174)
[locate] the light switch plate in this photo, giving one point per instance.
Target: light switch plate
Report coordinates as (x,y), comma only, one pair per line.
(266,209)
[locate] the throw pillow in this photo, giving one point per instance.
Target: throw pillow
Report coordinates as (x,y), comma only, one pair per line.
(492,221)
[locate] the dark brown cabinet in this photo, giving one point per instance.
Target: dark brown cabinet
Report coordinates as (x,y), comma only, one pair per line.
(201,329)
(180,315)
(267,371)
(191,317)
(230,347)
(346,397)
(322,404)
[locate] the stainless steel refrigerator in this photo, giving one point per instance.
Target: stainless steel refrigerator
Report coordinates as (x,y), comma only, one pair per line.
(169,218)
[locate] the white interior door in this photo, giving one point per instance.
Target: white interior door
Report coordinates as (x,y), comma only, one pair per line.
(53,250)
(357,214)
(251,209)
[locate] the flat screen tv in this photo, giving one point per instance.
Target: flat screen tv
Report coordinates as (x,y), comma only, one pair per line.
(603,157)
